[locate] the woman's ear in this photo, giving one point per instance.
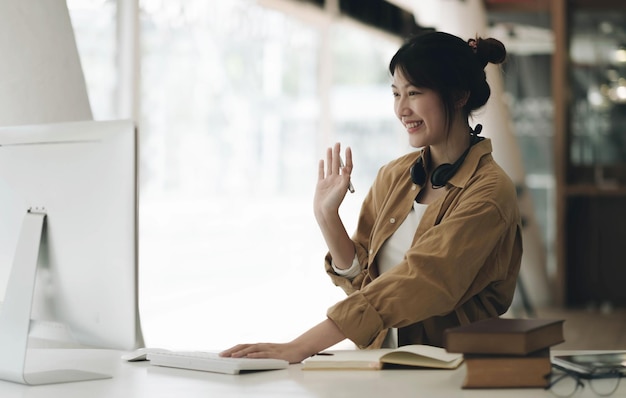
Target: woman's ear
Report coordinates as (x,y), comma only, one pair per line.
(461,99)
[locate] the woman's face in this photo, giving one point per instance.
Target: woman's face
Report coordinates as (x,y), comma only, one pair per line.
(421,112)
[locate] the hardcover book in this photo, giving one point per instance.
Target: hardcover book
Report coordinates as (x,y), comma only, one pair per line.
(512,336)
(505,371)
(415,355)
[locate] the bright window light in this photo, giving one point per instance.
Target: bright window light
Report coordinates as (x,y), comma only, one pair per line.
(232,126)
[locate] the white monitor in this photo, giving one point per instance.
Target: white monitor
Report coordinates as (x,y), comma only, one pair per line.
(68,204)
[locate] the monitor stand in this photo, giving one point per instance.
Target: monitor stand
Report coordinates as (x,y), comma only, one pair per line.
(15,312)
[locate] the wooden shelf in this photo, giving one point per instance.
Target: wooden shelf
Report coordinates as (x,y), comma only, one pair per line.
(517,5)
(590,220)
(590,217)
(595,190)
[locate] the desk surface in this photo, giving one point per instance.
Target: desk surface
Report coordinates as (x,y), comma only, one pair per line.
(138,380)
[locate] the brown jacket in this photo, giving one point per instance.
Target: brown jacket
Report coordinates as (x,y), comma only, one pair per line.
(462,265)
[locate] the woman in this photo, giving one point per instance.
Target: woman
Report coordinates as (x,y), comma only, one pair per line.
(438,242)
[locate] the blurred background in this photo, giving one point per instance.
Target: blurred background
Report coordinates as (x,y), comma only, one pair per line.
(237,100)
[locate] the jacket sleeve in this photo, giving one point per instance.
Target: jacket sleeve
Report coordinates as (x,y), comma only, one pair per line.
(360,238)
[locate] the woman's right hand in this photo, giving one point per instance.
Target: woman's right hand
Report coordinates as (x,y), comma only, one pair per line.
(333,181)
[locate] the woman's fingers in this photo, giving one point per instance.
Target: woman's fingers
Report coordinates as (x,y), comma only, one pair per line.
(329,161)
(333,159)
(349,158)
(336,158)
(320,170)
(334,166)
(233,351)
(260,350)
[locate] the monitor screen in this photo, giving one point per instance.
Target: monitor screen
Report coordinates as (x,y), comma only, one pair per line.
(83,177)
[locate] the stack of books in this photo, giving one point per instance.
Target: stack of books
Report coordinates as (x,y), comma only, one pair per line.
(506,352)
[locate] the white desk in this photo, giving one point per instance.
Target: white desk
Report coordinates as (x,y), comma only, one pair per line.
(138,380)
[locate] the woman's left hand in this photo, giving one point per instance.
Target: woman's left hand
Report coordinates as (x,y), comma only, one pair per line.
(286,351)
(314,340)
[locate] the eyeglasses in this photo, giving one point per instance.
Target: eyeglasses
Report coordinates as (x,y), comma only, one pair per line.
(564,382)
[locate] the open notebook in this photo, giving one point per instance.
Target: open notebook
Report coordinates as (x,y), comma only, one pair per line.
(416,355)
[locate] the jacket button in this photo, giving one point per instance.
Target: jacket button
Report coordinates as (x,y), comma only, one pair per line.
(392,220)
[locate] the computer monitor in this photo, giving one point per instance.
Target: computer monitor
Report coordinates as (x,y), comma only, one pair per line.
(68,238)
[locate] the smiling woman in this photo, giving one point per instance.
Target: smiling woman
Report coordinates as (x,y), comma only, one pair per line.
(235,111)
(414,266)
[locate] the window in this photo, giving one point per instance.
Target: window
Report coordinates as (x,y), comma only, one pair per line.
(236,110)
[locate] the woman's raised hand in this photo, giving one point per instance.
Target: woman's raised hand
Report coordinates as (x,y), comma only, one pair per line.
(333,180)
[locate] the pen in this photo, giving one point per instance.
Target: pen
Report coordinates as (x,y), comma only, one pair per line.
(350,187)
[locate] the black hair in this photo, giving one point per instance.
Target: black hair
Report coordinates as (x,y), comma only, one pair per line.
(450,66)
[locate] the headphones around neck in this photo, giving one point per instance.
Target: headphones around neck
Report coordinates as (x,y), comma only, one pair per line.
(440,176)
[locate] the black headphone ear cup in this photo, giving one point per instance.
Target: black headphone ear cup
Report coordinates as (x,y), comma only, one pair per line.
(418,174)
(442,174)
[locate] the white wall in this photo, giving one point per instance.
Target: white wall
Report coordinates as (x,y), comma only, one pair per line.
(41,80)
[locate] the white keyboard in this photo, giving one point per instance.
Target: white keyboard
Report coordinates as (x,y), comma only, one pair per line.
(212,362)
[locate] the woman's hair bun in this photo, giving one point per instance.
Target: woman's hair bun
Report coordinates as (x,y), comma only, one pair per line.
(490,50)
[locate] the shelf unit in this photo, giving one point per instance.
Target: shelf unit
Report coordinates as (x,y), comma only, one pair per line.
(590,193)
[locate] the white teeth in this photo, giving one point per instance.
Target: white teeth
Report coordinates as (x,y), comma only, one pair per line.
(413,125)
